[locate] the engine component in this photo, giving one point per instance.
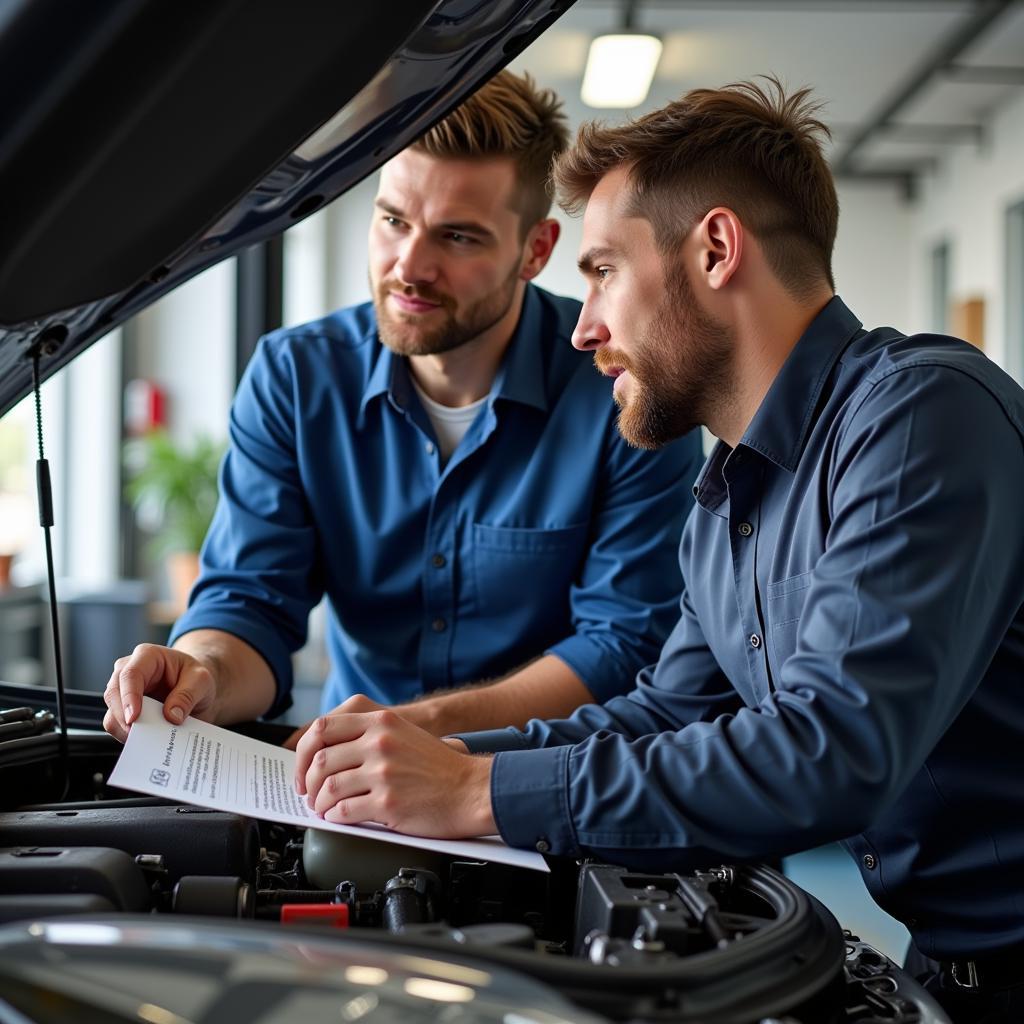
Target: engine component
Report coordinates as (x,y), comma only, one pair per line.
(332,857)
(69,880)
(334,915)
(217,843)
(510,936)
(410,898)
(677,914)
(213,896)
(877,991)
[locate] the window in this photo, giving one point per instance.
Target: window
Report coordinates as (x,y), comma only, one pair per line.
(940,288)
(17,505)
(1015,290)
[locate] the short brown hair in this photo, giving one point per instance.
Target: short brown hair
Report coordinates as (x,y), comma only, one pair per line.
(509,116)
(747,147)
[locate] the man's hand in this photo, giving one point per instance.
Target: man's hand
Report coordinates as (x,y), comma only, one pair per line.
(208,673)
(379,767)
(357,703)
(182,682)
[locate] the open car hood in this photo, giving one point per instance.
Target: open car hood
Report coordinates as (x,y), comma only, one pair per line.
(144,141)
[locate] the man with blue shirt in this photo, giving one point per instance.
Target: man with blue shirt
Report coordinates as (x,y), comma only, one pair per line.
(849,658)
(442,465)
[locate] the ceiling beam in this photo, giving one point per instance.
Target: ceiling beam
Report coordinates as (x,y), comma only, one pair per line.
(981,17)
(979,74)
(909,131)
(904,178)
(943,134)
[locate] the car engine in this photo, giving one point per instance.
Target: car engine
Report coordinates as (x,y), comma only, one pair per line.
(732,944)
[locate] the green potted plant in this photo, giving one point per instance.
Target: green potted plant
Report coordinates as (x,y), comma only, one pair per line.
(173,489)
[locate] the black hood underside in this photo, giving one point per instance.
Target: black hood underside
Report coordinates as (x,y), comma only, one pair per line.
(144,141)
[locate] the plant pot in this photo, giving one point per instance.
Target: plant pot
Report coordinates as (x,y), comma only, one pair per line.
(182,572)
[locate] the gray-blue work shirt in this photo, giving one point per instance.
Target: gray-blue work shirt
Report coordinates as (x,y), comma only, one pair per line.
(850,657)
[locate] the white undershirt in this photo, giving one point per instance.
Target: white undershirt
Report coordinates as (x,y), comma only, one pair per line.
(450,425)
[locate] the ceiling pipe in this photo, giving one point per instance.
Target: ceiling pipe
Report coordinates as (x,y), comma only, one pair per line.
(980,74)
(984,14)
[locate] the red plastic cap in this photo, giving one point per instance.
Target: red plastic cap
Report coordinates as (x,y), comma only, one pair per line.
(335,915)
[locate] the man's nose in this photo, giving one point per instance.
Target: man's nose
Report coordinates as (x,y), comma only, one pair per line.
(591,332)
(415,263)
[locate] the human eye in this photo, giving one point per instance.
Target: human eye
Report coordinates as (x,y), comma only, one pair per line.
(601,273)
(458,238)
(391,220)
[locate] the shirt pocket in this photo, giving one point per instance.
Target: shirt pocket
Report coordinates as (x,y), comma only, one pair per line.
(516,565)
(784,608)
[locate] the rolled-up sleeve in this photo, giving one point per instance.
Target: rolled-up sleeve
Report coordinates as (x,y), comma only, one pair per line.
(258,579)
(625,599)
(906,607)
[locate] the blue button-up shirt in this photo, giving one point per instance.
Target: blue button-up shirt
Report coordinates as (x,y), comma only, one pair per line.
(543,532)
(850,657)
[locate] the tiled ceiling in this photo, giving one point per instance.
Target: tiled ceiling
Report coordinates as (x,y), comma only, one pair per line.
(857,55)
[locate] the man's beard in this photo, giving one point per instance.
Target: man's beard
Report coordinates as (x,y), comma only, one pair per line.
(681,370)
(405,334)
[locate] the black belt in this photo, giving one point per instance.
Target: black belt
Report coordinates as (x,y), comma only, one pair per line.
(987,971)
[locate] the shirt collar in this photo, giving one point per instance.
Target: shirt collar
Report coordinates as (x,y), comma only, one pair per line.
(783,421)
(520,376)
(390,376)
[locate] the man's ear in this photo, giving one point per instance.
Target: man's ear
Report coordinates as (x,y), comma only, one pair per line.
(540,241)
(720,238)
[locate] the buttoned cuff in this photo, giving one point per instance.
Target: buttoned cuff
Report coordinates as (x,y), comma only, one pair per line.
(490,741)
(275,655)
(601,670)
(530,800)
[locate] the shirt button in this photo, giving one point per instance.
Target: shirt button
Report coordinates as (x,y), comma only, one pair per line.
(439,561)
(755,641)
(429,447)
(869,861)
(439,625)
(543,846)
(745,529)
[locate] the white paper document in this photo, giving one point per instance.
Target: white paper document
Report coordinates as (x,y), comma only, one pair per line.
(202,764)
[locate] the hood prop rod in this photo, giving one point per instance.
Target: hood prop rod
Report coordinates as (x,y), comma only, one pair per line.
(45,497)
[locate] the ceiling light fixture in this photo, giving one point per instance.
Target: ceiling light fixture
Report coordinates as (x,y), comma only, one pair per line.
(620,66)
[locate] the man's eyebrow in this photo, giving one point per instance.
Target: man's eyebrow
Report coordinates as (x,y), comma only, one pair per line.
(589,260)
(469,227)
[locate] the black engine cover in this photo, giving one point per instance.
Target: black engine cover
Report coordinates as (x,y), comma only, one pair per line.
(192,840)
(43,881)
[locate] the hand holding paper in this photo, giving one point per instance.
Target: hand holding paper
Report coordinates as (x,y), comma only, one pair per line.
(380,767)
(202,764)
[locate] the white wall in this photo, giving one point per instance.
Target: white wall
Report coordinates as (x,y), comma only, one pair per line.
(87,515)
(871,262)
(326,256)
(81,431)
(348,228)
(186,343)
(965,203)
(30,562)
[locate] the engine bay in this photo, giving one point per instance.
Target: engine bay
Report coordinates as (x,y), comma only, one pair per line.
(736,944)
